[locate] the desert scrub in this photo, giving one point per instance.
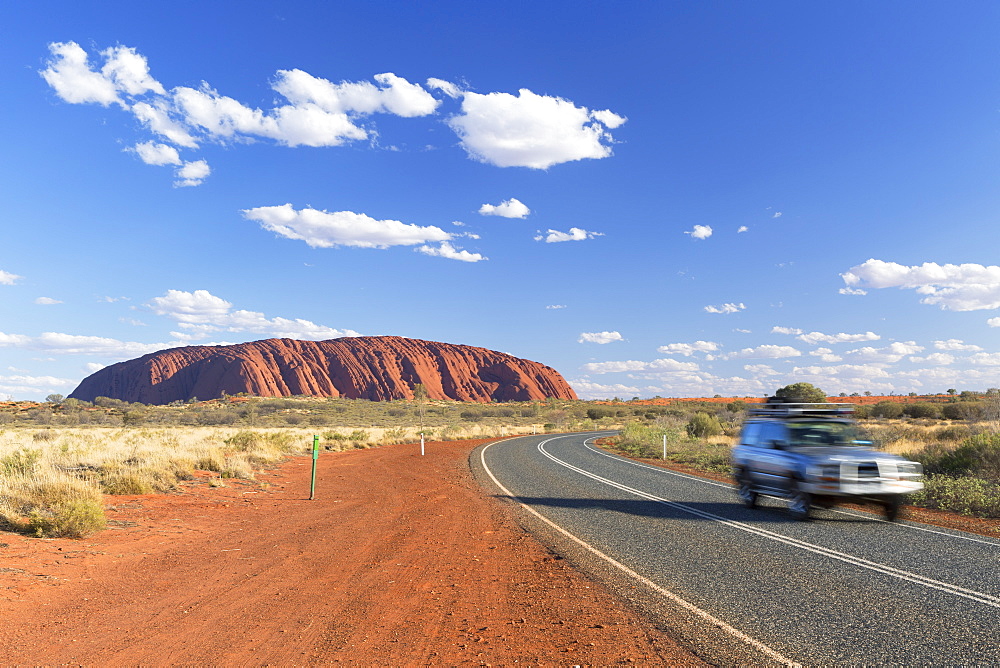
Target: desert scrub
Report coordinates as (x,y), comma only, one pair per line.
(50,505)
(706,454)
(968,496)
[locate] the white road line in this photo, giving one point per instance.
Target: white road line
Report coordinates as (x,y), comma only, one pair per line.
(715,621)
(706,481)
(955,590)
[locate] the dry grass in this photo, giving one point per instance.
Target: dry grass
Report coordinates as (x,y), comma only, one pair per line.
(52,480)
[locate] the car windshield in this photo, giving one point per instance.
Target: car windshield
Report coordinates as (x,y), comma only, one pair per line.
(825,432)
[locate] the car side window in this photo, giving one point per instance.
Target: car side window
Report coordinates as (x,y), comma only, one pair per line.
(772,431)
(751,434)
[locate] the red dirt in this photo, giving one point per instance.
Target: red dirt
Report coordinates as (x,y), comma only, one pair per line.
(401,560)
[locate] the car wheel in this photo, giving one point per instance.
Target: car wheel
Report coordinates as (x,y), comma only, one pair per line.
(799,502)
(746,493)
(891,509)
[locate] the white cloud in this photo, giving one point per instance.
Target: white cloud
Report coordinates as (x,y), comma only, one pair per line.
(838,372)
(446,250)
(826,355)
(760,369)
(555,306)
(200,313)
(777,214)
(152,153)
(574,234)
(586,389)
(888,355)
(956,344)
(726,308)
(813,338)
(7,278)
(446,87)
(765,352)
(852,291)
(700,232)
(323,229)
(614,367)
(659,366)
(47,301)
(985,359)
(192,173)
(69,74)
(14,340)
(20,384)
(530,130)
(953,287)
(688,349)
(599,337)
(156,116)
(129,71)
(786,330)
(511,208)
(934,358)
(742,228)
(993,322)
(93,367)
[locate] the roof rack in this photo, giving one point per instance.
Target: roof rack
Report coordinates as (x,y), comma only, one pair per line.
(792,409)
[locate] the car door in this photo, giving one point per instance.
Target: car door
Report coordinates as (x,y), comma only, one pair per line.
(772,465)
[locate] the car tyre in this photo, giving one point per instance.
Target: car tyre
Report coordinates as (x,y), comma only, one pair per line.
(745,491)
(799,502)
(891,509)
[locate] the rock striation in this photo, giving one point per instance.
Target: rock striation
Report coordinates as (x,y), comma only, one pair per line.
(378,368)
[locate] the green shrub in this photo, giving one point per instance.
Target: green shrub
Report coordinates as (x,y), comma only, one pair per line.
(922,409)
(887,409)
(74,518)
(20,462)
(968,496)
(703,425)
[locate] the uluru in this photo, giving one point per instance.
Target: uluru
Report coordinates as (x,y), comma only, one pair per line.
(377,368)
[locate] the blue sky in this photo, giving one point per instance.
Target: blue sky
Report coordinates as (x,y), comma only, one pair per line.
(655,198)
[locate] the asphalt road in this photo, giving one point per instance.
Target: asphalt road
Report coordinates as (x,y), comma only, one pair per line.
(844,588)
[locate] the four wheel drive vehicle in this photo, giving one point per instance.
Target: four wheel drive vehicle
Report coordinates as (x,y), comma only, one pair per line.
(815,454)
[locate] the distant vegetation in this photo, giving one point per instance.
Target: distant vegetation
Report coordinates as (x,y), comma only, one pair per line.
(59,458)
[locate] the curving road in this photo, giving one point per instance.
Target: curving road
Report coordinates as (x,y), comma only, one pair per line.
(752,585)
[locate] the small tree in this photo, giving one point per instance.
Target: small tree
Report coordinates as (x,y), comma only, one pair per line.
(703,425)
(54,398)
(804,392)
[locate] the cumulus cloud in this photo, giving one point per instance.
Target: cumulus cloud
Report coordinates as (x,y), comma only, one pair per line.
(530,130)
(940,359)
(192,173)
(852,291)
(599,337)
(323,229)
(574,234)
(700,232)
(689,349)
(555,306)
(786,330)
(586,389)
(956,345)
(666,365)
(741,229)
(952,287)
(819,337)
(985,359)
(826,355)
(152,153)
(446,250)
(200,313)
(887,355)
(7,278)
(47,301)
(993,322)
(777,214)
(70,76)
(726,308)
(765,352)
(524,130)
(74,344)
(511,208)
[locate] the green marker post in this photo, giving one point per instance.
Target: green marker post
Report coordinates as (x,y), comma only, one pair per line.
(312,485)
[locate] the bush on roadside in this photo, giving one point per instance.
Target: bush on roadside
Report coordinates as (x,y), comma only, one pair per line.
(703,425)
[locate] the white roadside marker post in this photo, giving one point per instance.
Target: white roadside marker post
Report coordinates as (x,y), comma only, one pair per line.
(664,446)
(421,444)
